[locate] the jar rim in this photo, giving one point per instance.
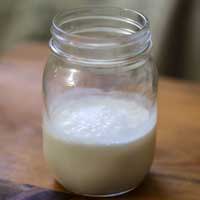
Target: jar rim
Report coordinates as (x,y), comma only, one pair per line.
(87,41)
(101,36)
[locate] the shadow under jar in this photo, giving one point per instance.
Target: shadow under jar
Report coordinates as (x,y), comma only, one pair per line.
(100,89)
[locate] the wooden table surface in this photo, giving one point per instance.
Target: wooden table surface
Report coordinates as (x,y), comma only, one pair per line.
(175,173)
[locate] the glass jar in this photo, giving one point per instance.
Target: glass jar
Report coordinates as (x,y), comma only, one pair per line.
(100,88)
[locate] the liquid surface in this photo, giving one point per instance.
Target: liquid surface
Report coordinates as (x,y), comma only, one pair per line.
(100,119)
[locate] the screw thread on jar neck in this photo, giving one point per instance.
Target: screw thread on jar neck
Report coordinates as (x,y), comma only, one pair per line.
(101,35)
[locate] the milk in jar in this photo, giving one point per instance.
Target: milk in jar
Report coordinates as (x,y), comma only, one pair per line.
(99,143)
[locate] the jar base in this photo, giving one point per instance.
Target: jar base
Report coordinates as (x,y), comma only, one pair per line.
(109,195)
(101,195)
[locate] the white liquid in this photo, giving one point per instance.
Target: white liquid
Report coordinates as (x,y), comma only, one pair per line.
(97,144)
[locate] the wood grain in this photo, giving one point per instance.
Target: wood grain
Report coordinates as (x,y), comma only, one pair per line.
(175,173)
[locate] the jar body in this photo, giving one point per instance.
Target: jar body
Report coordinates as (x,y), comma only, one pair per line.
(99,124)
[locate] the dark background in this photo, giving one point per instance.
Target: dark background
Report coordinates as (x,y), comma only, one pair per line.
(175,26)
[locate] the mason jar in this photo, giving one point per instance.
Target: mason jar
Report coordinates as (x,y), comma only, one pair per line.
(100,86)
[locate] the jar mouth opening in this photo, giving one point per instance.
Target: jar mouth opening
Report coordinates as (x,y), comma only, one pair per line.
(100,36)
(101,27)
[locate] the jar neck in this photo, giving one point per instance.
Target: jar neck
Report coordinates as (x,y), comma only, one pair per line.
(101,36)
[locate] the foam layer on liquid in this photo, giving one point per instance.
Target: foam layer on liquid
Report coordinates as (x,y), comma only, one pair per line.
(98,119)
